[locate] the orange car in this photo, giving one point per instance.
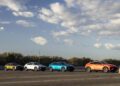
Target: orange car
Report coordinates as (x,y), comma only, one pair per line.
(100,66)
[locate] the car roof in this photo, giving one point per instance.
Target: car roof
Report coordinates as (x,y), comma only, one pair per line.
(97,61)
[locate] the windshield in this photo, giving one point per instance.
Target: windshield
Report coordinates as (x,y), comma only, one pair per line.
(64,63)
(103,62)
(36,63)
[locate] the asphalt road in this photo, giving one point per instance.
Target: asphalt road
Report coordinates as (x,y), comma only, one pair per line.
(30,78)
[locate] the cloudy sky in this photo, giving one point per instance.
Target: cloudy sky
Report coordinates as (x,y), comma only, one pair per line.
(65,28)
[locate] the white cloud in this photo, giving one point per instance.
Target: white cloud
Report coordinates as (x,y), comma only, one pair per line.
(61,33)
(57,8)
(58,14)
(108,46)
(16,7)
(25,23)
(11,4)
(39,40)
(100,18)
(97,45)
(47,15)
(24,14)
(68,41)
(109,33)
(70,3)
(115,21)
(111,46)
(94,15)
(1,28)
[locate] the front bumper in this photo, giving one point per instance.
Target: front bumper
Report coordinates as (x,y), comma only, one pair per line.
(70,68)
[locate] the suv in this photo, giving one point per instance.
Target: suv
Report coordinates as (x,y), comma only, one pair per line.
(61,66)
(13,66)
(36,66)
(100,66)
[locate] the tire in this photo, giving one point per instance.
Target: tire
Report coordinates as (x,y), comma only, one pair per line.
(25,69)
(105,70)
(35,69)
(88,69)
(6,69)
(51,69)
(14,69)
(63,69)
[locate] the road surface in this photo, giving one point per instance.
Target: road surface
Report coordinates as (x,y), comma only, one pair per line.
(30,78)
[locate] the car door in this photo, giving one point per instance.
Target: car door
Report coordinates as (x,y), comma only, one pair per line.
(10,66)
(97,66)
(32,66)
(56,66)
(29,65)
(59,66)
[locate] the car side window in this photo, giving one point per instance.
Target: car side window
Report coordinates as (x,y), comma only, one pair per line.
(96,63)
(8,64)
(55,63)
(29,64)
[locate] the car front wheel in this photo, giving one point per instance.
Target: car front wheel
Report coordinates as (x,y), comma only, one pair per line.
(63,69)
(88,69)
(105,70)
(25,69)
(35,69)
(6,69)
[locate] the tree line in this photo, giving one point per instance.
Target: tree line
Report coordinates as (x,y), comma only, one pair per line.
(46,60)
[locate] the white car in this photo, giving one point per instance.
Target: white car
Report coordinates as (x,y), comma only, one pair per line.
(36,66)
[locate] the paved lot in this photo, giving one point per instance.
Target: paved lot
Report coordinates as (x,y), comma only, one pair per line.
(30,78)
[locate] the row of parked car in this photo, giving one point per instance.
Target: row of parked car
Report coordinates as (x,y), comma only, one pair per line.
(62,66)
(36,66)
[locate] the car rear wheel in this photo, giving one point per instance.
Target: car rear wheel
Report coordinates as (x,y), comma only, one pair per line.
(25,69)
(14,69)
(63,69)
(88,69)
(51,69)
(6,69)
(105,70)
(35,69)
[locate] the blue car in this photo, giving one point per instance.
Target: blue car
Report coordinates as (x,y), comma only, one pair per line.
(61,66)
